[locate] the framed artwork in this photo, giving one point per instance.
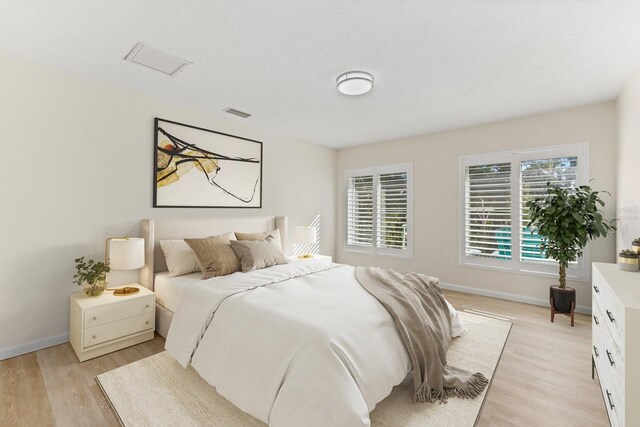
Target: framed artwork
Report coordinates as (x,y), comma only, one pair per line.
(202,168)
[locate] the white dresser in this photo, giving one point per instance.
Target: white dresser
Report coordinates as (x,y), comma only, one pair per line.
(106,323)
(616,341)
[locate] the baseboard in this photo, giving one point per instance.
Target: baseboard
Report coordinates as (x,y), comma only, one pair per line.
(507,296)
(17,350)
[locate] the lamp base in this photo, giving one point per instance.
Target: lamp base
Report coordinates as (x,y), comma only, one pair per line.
(305,256)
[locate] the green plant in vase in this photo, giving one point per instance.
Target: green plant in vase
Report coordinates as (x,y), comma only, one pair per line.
(566,219)
(91,275)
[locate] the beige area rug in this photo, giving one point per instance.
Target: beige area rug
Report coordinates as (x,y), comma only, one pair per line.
(156,391)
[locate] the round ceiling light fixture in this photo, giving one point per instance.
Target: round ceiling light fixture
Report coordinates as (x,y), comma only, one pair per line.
(354,82)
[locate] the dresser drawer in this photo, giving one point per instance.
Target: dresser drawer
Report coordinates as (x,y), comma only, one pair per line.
(610,308)
(119,329)
(123,309)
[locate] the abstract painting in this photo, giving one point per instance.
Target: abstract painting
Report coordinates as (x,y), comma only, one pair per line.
(196,167)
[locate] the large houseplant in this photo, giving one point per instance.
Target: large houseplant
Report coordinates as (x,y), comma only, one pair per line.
(566,219)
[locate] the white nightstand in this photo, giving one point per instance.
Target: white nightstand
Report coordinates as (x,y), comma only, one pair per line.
(106,323)
(296,259)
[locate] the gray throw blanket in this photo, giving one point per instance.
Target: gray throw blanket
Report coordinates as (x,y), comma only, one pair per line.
(418,307)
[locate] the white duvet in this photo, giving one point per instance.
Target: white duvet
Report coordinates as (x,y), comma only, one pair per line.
(300,344)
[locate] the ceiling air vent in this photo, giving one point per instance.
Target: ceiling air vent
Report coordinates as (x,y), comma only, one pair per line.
(237,112)
(155,59)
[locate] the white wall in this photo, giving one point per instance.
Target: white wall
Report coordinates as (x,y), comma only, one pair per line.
(77,159)
(628,192)
(436,191)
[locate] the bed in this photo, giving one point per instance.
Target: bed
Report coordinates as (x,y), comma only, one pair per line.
(154,230)
(294,344)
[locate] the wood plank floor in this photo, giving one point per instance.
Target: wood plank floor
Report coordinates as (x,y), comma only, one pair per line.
(543,379)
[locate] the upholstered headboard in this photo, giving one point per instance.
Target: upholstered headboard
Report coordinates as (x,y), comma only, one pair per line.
(154,230)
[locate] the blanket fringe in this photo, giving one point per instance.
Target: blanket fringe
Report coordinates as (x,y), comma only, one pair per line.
(470,390)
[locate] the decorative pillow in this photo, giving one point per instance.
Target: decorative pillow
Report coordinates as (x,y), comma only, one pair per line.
(215,256)
(261,236)
(257,254)
(179,257)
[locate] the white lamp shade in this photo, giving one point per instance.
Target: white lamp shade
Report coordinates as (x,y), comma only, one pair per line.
(305,235)
(126,253)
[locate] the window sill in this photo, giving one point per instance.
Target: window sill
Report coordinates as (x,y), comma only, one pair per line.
(570,277)
(408,256)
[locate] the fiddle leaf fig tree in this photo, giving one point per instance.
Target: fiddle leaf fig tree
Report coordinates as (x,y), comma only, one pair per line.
(566,219)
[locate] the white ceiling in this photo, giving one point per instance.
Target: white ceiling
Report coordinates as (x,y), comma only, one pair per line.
(438,64)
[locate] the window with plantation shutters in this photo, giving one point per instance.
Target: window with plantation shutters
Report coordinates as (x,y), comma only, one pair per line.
(493,216)
(488,210)
(378,205)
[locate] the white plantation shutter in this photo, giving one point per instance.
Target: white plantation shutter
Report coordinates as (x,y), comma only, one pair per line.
(392,210)
(487,210)
(534,175)
(360,211)
(493,215)
(378,205)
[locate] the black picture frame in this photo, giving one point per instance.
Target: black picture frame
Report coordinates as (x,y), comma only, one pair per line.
(197,159)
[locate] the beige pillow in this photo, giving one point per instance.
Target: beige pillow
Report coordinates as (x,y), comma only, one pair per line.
(261,236)
(179,257)
(257,254)
(215,256)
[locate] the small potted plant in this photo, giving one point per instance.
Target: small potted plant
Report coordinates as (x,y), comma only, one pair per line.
(628,260)
(91,275)
(566,219)
(635,245)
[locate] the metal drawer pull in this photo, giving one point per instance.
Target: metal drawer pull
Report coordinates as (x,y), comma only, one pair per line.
(595,350)
(94,337)
(610,358)
(611,405)
(595,319)
(610,316)
(146,323)
(146,306)
(95,318)
(595,288)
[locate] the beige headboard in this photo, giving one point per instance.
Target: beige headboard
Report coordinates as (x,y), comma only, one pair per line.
(154,230)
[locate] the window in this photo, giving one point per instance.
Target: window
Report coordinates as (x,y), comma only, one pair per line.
(378,210)
(494,218)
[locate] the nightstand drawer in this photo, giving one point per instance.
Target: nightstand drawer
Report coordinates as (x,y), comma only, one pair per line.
(121,310)
(118,329)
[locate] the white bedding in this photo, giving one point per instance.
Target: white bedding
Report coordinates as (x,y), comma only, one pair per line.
(169,290)
(293,345)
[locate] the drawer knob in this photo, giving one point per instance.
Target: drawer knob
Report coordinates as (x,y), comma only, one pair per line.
(610,358)
(146,323)
(611,405)
(94,337)
(95,318)
(146,306)
(595,288)
(595,319)
(611,318)
(595,351)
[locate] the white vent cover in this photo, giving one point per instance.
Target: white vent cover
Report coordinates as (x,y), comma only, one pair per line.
(156,59)
(237,112)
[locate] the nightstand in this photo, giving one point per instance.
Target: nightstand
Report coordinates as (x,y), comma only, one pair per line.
(322,257)
(106,323)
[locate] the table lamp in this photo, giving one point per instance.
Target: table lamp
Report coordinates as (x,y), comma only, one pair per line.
(125,253)
(305,235)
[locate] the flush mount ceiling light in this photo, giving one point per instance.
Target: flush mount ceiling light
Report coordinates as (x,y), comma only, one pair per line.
(156,59)
(354,82)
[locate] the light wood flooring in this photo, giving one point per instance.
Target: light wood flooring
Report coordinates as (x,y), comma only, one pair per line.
(543,379)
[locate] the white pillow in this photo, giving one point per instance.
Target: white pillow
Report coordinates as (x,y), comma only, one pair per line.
(179,257)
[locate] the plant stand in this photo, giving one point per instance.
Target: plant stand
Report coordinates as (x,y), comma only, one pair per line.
(564,298)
